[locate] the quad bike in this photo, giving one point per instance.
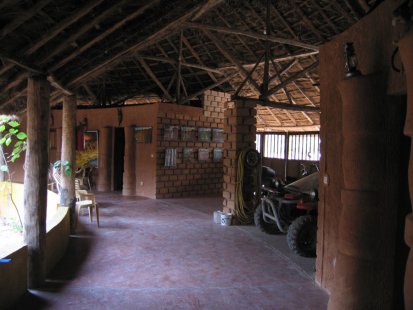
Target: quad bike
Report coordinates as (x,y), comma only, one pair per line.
(290,209)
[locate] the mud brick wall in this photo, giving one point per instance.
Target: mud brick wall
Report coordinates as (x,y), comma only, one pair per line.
(239,132)
(193,178)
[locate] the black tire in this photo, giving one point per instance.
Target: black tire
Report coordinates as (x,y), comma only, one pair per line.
(268,228)
(302,236)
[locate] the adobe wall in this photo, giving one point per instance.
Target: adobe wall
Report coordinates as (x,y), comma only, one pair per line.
(190,177)
(372,38)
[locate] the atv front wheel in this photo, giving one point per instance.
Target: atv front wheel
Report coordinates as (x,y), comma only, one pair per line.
(268,228)
(302,236)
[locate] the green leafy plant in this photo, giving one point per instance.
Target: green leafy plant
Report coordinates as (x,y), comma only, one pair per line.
(67,168)
(9,129)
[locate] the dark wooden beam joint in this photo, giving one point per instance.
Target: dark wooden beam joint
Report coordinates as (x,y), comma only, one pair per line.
(277,105)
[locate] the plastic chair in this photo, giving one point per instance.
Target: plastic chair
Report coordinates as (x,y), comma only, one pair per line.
(86,200)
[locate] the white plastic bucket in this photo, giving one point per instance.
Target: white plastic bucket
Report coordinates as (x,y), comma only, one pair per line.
(226,219)
(217,217)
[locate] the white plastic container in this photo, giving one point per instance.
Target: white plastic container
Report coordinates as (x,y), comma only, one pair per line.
(217,217)
(226,219)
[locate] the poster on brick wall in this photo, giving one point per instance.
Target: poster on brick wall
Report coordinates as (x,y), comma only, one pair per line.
(203,154)
(187,155)
(188,133)
(170,157)
(217,155)
(204,134)
(218,135)
(171,133)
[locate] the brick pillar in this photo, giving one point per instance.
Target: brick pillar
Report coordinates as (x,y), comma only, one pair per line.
(129,176)
(239,130)
(363,269)
(105,156)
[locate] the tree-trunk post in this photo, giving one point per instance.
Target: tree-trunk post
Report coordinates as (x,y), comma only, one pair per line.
(129,176)
(406,51)
(105,155)
(67,195)
(35,177)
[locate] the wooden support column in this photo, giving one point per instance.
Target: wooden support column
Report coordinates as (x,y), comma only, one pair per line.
(364,267)
(406,52)
(129,175)
(67,193)
(35,177)
(105,156)
(59,135)
(239,134)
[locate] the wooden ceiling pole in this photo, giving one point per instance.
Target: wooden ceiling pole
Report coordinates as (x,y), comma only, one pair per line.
(324,15)
(307,21)
(254,35)
(74,36)
(178,70)
(283,70)
(90,93)
(23,17)
(280,105)
(293,77)
(153,38)
(267,55)
(58,28)
(153,77)
(103,35)
(273,115)
(224,51)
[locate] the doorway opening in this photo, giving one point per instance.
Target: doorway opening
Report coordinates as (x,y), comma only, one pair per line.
(118,158)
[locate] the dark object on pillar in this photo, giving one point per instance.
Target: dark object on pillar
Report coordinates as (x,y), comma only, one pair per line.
(351,61)
(120,117)
(83,124)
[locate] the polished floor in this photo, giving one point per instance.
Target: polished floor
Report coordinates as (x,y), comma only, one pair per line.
(168,254)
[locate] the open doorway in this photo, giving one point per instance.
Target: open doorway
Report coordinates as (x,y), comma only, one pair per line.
(118,158)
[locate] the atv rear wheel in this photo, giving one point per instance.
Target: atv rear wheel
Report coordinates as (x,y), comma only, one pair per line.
(302,236)
(268,228)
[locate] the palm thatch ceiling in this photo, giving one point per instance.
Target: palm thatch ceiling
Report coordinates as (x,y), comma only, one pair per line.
(111,53)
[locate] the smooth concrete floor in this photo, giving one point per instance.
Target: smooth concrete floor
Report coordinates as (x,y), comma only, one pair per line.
(168,254)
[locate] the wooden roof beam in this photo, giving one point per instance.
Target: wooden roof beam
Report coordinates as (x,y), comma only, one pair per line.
(153,77)
(74,36)
(293,77)
(210,4)
(23,17)
(100,37)
(151,39)
(257,36)
(279,105)
(58,28)
(231,58)
(307,21)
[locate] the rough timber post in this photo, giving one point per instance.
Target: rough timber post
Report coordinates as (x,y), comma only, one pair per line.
(35,177)
(67,197)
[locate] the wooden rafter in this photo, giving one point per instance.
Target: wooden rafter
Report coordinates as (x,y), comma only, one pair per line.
(74,36)
(58,28)
(151,39)
(106,33)
(293,77)
(308,22)
(153,77)
(23,17)
(257,36)
(279,105)
(224,51)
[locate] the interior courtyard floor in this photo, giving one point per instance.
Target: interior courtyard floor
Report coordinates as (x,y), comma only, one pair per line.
(168,254)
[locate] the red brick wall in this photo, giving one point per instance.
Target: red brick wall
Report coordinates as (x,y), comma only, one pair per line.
(196,177)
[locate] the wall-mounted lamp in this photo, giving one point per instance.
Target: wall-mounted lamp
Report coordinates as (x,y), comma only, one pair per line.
(83,124)
(351,60)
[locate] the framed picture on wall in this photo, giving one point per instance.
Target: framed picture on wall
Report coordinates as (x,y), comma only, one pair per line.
(188,155)
(90,144)
(203,154)
(188,133)
(170,157)
(217,154)
(143,134)
(204,134)
(218,135)
(171,133)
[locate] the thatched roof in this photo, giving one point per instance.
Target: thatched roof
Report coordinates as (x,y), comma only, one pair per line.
(108,51)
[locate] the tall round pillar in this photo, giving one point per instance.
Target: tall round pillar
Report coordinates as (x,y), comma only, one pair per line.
(129,176)
(105,157)
(406,53)
(362,271)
